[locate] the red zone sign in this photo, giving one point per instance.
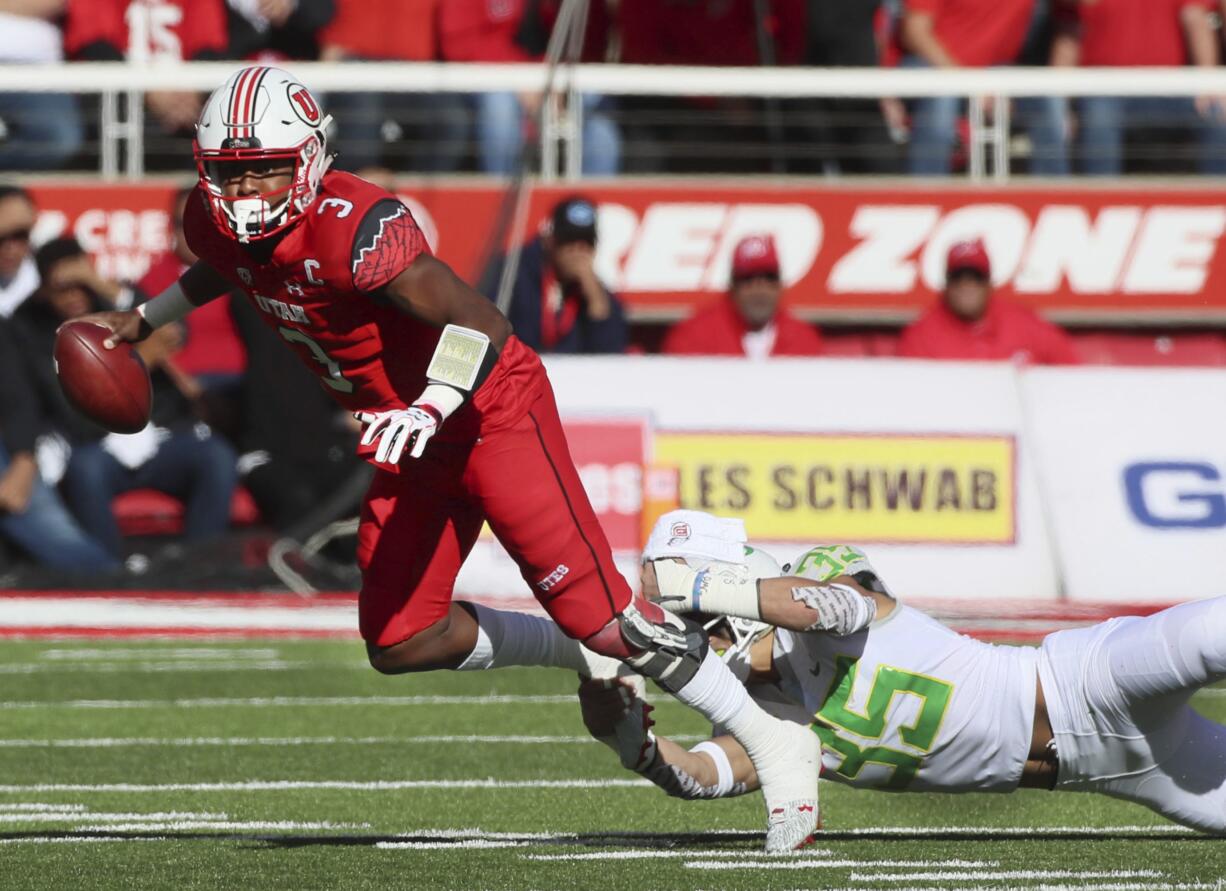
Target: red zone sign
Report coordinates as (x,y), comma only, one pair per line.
(1095,253)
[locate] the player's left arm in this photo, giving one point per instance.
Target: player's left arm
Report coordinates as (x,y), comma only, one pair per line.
(392,263)
(715,768)
(428,290)
(840,605)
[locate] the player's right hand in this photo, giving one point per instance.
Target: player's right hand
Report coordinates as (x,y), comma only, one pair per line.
(126,326)
(406,428)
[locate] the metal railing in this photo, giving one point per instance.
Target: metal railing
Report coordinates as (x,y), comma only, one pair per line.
(121,122)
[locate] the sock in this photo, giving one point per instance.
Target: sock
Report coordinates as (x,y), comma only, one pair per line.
(507,638)
(716,694)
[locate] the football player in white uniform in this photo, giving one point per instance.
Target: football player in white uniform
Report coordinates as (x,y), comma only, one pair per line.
(901,702)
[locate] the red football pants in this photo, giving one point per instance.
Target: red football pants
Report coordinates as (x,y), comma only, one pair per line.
(419,525)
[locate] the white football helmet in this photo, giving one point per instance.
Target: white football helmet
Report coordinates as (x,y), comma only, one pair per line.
(261,116)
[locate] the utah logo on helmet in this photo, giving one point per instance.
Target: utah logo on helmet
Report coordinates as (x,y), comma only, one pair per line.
(261,119)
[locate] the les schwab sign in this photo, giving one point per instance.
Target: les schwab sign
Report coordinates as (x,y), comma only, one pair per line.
(843,251)
(898,489)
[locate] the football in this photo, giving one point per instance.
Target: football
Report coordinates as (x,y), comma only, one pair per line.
(110,387)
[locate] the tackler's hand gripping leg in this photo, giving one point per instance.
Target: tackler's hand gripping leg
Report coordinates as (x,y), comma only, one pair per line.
(675,654)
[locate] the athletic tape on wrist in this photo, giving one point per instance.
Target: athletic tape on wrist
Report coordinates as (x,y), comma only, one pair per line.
(723,767)
(170,306)
(442,398)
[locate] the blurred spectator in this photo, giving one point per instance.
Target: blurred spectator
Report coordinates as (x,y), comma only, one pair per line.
(18,274)
(212,352)
(32,516)
(710,32)
(969,322)
(845,135)
(1115,33)
(517,31)
(724,134)
(750,322)
(970,34)
(38,131)
(283,29)
(152,31)
(175,454)
(406,131)
(558,305)
(299,458)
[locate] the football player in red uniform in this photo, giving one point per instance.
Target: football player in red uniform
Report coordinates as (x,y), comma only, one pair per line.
(459,419)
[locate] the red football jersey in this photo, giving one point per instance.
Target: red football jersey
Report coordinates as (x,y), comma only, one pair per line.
(320,290)
(148,30)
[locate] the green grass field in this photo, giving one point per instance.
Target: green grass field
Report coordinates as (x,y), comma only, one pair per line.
(290,764)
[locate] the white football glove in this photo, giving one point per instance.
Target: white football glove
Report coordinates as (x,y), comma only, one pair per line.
(407,428)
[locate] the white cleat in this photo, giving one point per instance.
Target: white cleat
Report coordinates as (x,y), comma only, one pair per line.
(788,761)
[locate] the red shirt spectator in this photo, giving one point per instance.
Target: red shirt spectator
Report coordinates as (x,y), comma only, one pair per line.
(495,30)
(212,345)
(973,33)
(749,322)
(145,30)
(969,323)
(363,29)
(1130,32)
(680,32)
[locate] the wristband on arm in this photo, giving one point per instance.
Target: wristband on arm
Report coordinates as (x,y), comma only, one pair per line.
(170,306)
(461,363)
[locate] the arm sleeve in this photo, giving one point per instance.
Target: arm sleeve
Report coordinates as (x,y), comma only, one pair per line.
(607,335)
(386,241)
(18,415)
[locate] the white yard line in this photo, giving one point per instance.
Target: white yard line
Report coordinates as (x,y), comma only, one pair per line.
(817,863)
(923,831)
(85,816)
(277,741)
(227,825)
(354,785)
(291,701)
(108,654)
(444,846)
(26,668)
(1028,874)
(39,807)
(650,854)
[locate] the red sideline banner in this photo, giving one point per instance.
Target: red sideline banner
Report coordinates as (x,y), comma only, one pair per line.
(1089,253)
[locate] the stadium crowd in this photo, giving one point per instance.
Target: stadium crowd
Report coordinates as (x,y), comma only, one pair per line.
(237,421)
(484,132)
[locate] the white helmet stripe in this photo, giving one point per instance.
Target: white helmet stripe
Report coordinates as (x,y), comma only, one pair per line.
(235,93)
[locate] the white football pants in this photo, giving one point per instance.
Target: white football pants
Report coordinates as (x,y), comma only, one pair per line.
(1118,698)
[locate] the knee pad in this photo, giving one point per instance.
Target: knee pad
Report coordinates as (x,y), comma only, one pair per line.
(666,648)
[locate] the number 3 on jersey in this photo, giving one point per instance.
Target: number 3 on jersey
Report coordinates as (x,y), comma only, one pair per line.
(333,378)
(870,724)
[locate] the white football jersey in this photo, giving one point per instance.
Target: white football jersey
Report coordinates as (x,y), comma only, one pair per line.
(909,704)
